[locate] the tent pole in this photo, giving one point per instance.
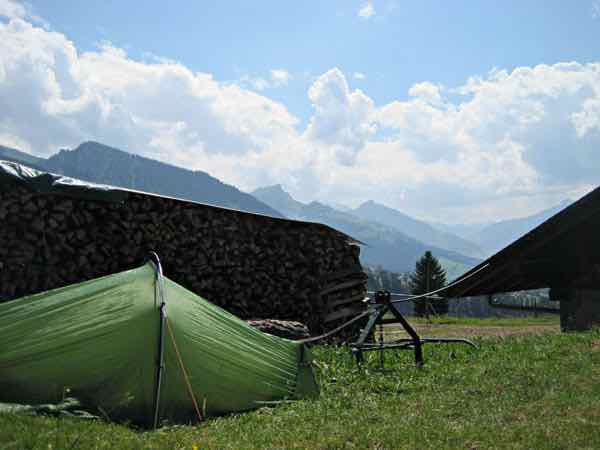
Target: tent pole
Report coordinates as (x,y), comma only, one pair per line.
(159,364)
(161,342)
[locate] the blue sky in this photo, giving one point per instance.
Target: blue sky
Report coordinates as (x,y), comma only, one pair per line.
(401,44)
(450,111)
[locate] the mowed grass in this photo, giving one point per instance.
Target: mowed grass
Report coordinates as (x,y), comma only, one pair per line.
(536,391)
(542,319)
(471,327)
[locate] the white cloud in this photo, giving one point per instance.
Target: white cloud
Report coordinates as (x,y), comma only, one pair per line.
(105,95)
(9,140)
(277,78)
(359,76)
(366,11)
(427,92)
(526,133)
(596,9)
(342,119)
(280,77)
(260,84)
(588,119)
(513,142)
(12,10)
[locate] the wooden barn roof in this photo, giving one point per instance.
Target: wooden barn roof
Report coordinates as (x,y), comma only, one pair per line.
(563,251)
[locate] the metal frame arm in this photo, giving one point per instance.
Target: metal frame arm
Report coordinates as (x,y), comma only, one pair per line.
(412,333)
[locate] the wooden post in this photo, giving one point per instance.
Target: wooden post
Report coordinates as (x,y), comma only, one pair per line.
(579,308)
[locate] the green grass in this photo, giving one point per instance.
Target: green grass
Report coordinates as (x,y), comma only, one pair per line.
(539,392)
(542,319)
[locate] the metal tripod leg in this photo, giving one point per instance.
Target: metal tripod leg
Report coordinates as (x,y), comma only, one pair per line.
(357,348)
(412,333)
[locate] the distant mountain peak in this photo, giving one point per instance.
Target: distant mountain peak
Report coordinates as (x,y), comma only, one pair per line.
(375,204)
(498,235)
(275,191)
(368,203)
(316,207)
(339,206)
(96,146)
(274,188)
(277,195)
(415,228)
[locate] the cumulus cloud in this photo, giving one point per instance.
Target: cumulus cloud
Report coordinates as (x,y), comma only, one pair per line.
(106,95)
(260,84)
(588,119)
(342,119)
(528,133)
(280,77)
(427,92)
(11,9)
(359,76)
(277,78)
(503,144)
(366,11)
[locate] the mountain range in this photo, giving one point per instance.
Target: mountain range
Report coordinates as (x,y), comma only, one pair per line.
(417,229)
(386,245)
(100,163)
(498,235)
(475,239)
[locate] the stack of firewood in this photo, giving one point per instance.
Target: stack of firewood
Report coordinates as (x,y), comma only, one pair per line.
(254,266)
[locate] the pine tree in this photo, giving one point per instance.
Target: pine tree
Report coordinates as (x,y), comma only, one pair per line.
(428,276)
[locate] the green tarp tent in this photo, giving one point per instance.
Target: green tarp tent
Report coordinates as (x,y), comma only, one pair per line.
(101,341)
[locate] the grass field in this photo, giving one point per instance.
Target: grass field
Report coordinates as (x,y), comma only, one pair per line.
(473,327)
(539,390)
